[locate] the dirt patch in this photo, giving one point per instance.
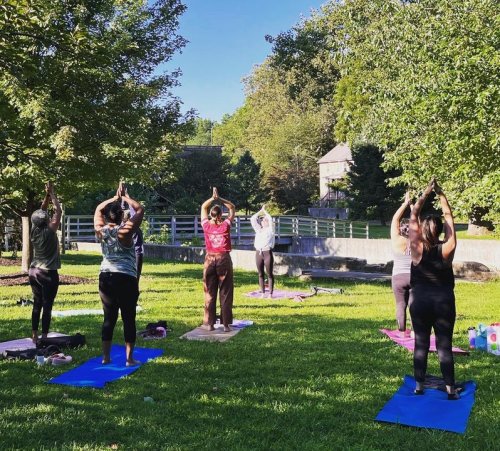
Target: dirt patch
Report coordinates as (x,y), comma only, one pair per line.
(8,280)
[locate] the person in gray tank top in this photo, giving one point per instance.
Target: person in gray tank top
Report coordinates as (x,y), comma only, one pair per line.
(402,264)
(43,274)
(118,284)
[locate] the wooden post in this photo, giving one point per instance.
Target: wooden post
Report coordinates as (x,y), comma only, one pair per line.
(173,228)
(63,230)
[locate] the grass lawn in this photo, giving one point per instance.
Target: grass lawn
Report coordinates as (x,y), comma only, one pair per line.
(309,375)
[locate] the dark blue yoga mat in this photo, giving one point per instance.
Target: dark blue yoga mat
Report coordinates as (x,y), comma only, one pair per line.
(94,374)
(431,410)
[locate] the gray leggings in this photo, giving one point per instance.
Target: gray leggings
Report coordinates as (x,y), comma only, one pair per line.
(401,289)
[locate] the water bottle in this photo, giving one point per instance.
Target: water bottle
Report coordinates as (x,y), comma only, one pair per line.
(472,337)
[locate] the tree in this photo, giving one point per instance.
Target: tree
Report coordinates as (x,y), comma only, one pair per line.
(426,75)
(370,197)
(291,188)
(202,133)
(81,99)
(245,184)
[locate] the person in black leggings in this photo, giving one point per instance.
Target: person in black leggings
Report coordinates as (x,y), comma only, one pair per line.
(43,272)
(432,298)
(262,223)
(118,283)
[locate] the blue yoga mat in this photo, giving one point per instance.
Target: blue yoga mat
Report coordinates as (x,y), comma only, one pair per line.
(94,374)
(431,410)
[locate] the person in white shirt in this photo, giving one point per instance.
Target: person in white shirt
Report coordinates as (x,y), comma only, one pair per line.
(262,223)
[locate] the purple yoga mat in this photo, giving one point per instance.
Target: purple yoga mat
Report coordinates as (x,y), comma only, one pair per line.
(409,343)
(277,294)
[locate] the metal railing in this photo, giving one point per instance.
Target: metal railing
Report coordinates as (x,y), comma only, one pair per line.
(185,227)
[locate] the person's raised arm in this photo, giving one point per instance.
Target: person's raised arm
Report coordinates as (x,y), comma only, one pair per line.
(230,206)
(56,217)
(450,237)
(395,234)
(46,199)
(99,221)
(415,233)
(205,206)
(253,221)
(131,226)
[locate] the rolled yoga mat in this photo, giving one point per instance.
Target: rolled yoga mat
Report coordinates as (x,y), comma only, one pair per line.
(23,343)
(409,343)
(431,410)
(279,294)
(94,374)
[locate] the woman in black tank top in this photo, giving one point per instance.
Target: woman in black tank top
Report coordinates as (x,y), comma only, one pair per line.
(432,299)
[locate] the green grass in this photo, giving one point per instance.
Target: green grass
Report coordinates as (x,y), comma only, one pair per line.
(306,376)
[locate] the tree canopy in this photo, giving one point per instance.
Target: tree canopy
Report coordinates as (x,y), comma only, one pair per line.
(82,101)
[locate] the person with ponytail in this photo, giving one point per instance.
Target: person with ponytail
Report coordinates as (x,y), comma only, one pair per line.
(432,297)
(118,283)
(218,267)
(43,274)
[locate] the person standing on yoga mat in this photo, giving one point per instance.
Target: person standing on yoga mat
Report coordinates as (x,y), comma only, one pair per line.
(402,264)
(432,297)
(218,267)
(43,275)
(262,223)
(118,284)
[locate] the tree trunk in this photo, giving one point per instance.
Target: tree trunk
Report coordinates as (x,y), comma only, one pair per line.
(27,255)
(477,225)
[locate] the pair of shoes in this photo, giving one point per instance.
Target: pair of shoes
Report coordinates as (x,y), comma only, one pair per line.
(418,391)
(453,396)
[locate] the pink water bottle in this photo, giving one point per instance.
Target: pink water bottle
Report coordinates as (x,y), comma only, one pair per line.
(472,337)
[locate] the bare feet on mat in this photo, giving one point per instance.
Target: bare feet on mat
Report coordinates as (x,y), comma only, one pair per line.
(132,362)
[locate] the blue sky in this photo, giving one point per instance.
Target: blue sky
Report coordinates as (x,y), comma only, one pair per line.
(226,41)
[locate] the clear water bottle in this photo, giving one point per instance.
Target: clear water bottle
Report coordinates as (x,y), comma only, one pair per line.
(472,337)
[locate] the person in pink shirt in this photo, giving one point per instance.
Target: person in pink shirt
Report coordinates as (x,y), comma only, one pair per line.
(218,267)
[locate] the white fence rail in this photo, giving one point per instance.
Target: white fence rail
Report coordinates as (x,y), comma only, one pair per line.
(183,227)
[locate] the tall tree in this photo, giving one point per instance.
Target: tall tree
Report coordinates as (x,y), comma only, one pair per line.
(82,101)
(202,132)
(370,197)
(245,184)
(426,77)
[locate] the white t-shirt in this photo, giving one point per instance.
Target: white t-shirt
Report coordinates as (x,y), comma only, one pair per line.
(264,236)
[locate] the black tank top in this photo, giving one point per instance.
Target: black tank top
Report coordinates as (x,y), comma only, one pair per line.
(432,270)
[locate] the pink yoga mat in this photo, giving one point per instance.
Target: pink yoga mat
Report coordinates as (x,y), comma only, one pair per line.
(278,294)
(409,343)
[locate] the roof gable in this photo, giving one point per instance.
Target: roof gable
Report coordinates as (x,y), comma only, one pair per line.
(341,152)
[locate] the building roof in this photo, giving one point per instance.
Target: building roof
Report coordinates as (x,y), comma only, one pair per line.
(341,152)
(188,150)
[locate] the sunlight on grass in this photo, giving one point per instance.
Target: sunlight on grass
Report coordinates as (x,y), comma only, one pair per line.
(308,375)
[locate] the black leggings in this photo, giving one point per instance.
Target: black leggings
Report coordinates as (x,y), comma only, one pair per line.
(265,259)
(401,290)
(118,291)
(44,285)
(433,308)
